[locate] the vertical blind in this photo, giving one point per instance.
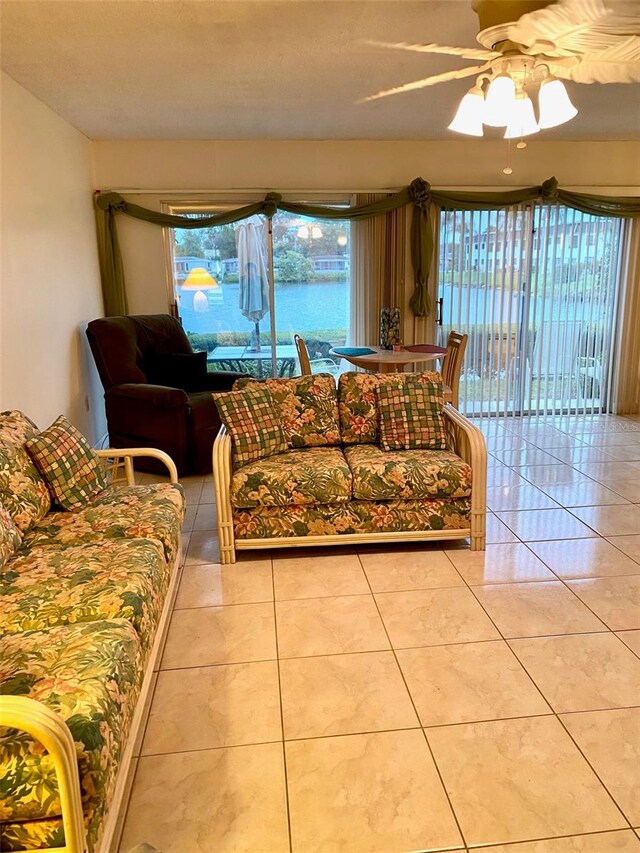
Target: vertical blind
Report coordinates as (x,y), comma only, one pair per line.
(535,287)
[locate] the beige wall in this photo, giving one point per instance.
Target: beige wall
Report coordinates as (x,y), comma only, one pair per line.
(194,166)
(362,165)
(49,279)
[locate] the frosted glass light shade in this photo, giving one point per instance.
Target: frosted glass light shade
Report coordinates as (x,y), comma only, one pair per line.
(309,232)
(522,121)
(199,279)
(500,101)
(555,105)
(200,302)
(468,119)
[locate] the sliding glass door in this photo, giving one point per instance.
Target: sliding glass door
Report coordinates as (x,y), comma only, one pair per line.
(535,288)
(232,306)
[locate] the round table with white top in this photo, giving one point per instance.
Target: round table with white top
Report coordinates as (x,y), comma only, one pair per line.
(389,361)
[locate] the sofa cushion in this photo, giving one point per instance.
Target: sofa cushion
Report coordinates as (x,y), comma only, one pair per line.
(10,536)
(358,405)
(31,834)
(116,579)
(382,475)
(22,490)
(308,408)
(119,512)
(91,675)
(265,522)
(410,415)
(253,423)
(16,427)
(311,476)
(67,462)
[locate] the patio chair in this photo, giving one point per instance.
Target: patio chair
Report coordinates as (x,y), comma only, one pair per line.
(452,364)
(314,358)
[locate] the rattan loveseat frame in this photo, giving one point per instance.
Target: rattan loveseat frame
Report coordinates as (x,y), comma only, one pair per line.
(466,440)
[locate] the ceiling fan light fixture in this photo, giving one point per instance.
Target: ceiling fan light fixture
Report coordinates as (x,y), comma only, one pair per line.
(555,105)
(468,118)
(523,120)
(500,101)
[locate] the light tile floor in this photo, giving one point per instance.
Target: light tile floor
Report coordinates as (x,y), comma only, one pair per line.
(416,698)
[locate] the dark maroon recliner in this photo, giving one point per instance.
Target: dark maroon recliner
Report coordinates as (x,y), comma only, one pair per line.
(139,414)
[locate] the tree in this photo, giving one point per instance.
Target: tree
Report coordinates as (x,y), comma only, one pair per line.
(188,243)
(223,238)
(292,266)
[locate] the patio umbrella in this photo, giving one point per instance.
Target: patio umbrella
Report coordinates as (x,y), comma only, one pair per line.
(253,274)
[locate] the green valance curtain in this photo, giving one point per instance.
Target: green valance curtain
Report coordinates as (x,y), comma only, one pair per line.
(419,194)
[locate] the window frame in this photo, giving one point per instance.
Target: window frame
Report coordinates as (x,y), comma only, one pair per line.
(225,201)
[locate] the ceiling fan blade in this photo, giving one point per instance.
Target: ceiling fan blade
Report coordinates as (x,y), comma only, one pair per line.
(562,24)
(618,64)
(462,52)
(428,81)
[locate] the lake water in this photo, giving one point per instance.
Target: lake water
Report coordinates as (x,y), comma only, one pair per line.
(310,307)
(299,308)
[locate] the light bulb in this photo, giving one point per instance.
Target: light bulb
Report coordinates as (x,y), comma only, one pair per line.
(522,121)
(200,302)
(500,101)
(468,118)
(342,240)
(555,105)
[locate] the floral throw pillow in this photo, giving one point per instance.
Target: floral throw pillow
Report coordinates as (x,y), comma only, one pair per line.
(70,467)
(16,427)
(23,492)
(253,422)
(357,406)
(308,408)
(10,536)
(410,414)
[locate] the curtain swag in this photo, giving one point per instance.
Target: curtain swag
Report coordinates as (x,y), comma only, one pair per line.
(419,194)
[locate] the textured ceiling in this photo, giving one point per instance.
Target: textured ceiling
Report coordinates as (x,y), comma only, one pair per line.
(258,69)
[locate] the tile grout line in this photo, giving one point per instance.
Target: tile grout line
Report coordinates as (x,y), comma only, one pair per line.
(593,769)
(479,849)
(564,582)
(284,748)
(399,648)
(556,714)
(415,710)
(633,651)
(553,711)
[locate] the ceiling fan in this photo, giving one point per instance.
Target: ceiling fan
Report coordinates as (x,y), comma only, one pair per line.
(528,44)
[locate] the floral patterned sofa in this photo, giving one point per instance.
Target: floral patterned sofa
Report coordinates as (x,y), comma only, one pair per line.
(335,483)
(84,598)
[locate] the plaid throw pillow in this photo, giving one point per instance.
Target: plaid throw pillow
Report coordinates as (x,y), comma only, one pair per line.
(307,407)
(253,423)
(410,415)
(70,467)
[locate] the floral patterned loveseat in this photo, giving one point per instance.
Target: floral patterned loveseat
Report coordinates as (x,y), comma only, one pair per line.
(84,598)
(335,484)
